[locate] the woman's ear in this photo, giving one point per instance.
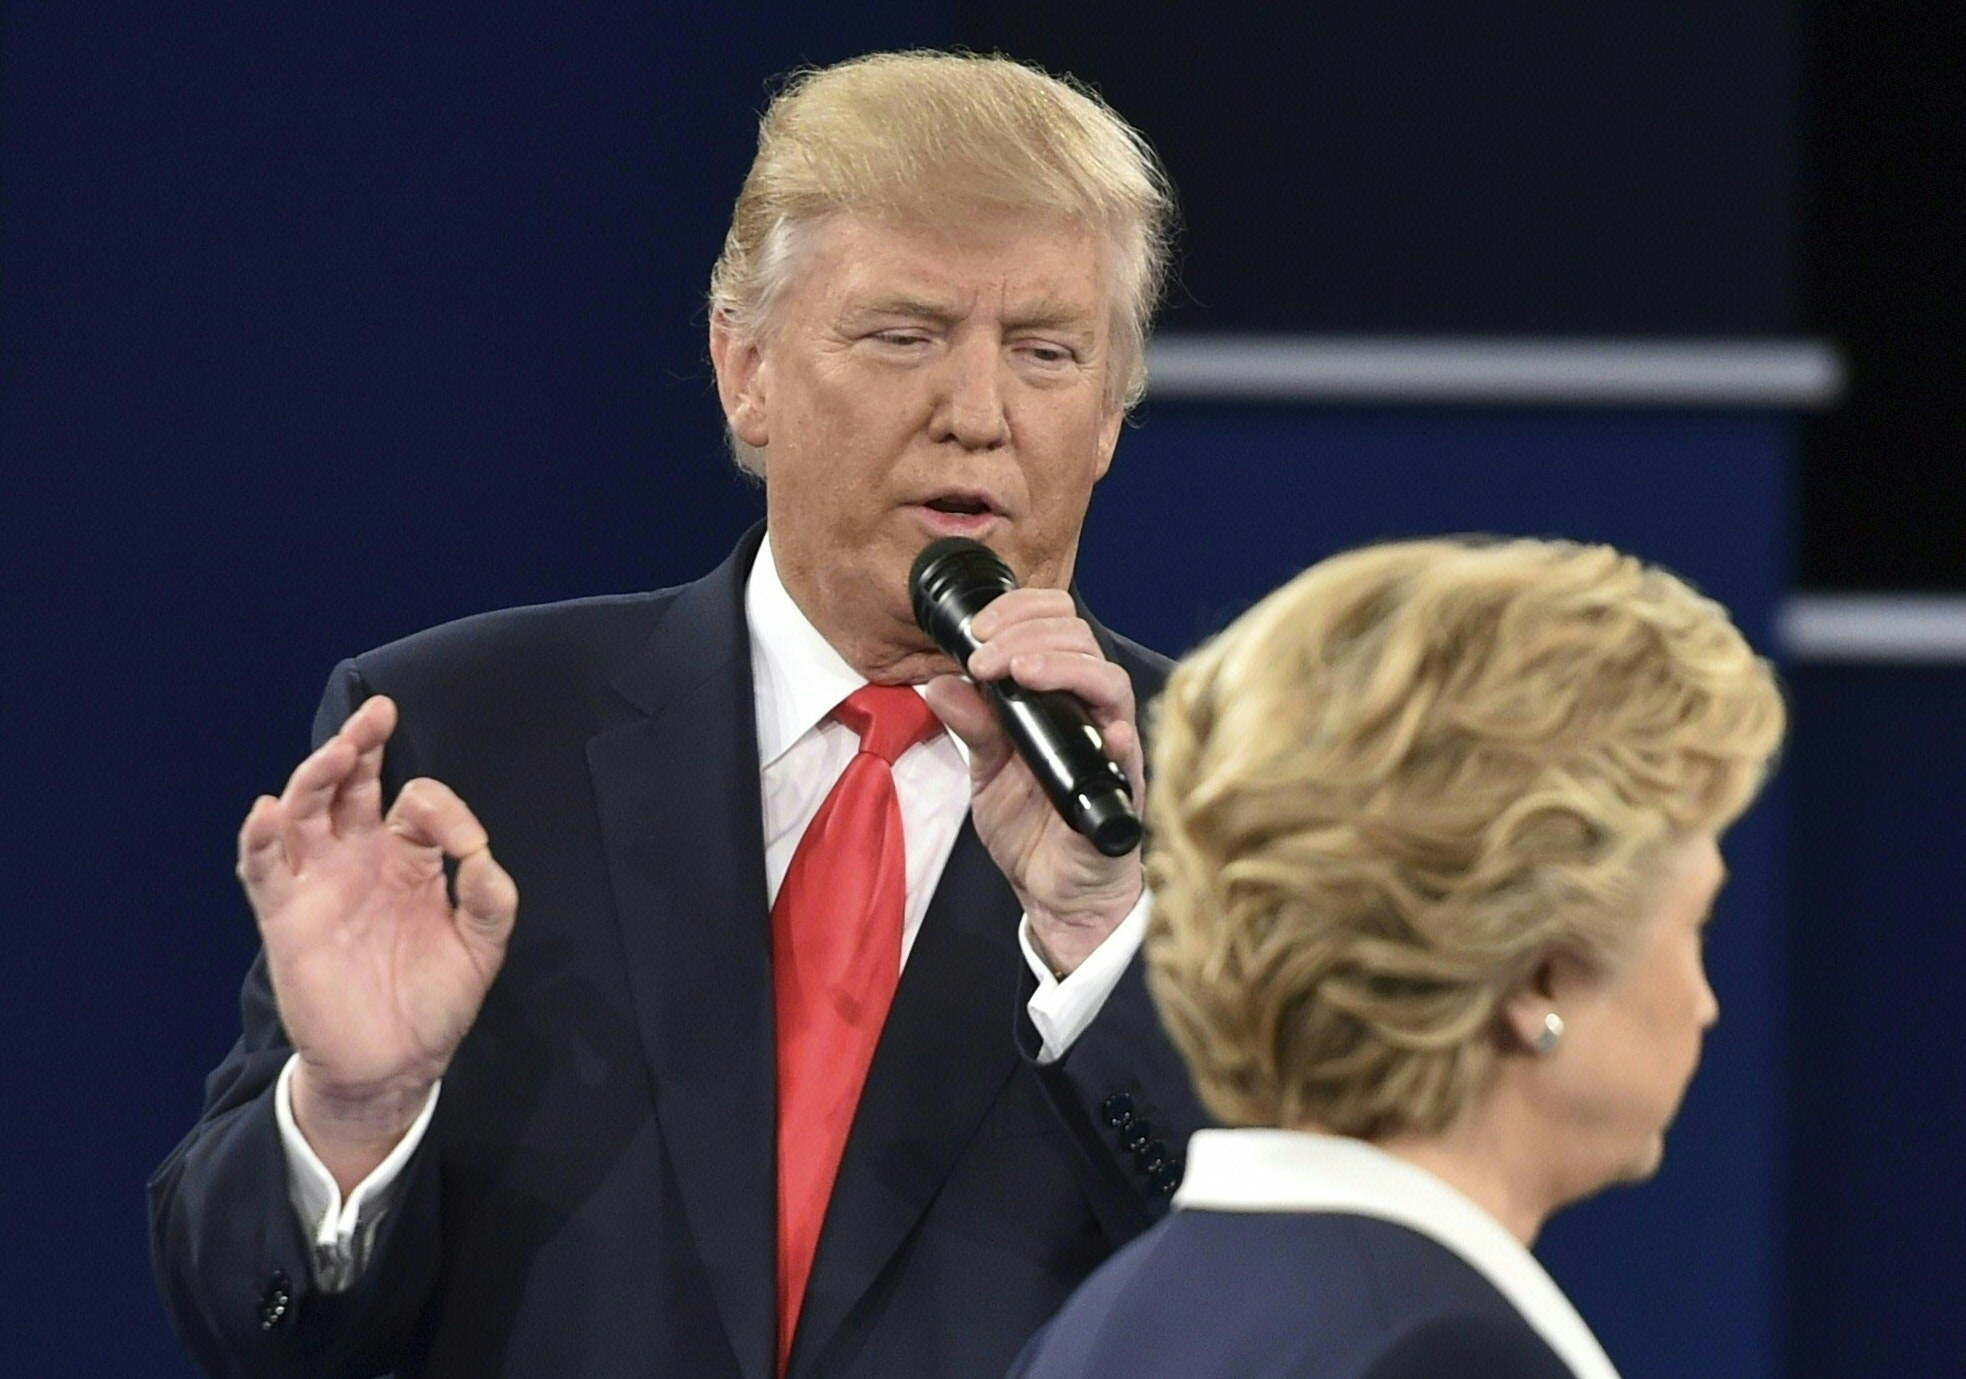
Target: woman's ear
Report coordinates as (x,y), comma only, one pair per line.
(1527,1011)
(1559,982)
(739,360)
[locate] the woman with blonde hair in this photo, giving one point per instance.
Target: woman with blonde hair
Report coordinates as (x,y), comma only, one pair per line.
(1435,832)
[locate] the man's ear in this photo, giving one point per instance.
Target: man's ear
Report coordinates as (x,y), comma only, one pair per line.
(1109,439)
(739,361)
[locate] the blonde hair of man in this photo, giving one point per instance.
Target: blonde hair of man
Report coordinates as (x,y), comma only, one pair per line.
(931,138)
(1399,784)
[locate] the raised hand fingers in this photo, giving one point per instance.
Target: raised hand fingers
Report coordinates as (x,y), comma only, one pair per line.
(263,866)
(429,814)
(308,800)
(318,799)
(357,805)
(487,899)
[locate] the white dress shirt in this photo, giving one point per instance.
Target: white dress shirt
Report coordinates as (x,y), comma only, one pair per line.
(797,679)
(1286,1170)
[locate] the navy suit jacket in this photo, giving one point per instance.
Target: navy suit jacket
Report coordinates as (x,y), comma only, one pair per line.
(1288,1295)
(595,1195)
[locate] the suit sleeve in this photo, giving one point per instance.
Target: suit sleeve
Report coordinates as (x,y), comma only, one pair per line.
(230,1256)
(1124,1094)
(1121,1089)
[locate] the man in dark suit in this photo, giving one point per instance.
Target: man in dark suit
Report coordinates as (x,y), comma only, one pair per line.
(820,1047)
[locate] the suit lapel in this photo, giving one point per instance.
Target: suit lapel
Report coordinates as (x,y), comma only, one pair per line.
(682,827)
(681,824)
(943,1056)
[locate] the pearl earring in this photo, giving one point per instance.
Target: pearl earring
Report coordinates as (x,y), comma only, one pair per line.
(1546,1040)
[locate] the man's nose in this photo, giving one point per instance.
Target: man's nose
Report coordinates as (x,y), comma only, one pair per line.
(970,409)
(1709,1004)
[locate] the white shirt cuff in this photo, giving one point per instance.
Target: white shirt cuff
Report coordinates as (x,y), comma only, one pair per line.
(1061,1010)
(341,1233)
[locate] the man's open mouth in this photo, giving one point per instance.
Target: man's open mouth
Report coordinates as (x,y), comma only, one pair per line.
(956,503)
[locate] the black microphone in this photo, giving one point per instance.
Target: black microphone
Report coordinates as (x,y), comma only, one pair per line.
(952,580)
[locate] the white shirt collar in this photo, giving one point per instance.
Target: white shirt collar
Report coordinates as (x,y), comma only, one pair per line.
(1286,1170)
(796,675)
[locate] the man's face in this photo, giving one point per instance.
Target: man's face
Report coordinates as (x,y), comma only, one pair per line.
(915,383)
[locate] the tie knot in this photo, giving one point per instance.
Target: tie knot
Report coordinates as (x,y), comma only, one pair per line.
(889,719)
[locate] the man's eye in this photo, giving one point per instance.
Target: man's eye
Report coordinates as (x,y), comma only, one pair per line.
(1048,354)
(903,338)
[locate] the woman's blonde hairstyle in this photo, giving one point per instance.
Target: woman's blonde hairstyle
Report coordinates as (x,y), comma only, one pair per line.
(935,138)
(1395,787)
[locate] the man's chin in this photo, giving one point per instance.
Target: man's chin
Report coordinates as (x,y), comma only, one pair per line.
(910,655)
(916,668)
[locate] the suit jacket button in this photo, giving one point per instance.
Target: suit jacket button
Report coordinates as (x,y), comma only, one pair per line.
(1135,1133)
(1117,1108)
(1150,1156)
(1166,1177)
(276,1304)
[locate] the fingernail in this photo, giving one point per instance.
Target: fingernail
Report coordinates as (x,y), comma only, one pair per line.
(983,624)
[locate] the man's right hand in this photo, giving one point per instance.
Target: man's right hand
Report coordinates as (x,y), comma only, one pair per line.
(376,973)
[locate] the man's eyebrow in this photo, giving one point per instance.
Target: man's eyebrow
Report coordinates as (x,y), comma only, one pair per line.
(1045,314)
(1052,314)
(900,304)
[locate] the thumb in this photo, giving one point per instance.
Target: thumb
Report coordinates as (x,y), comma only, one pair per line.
(964,712)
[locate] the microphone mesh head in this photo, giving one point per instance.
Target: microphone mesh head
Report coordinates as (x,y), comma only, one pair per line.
(951,579)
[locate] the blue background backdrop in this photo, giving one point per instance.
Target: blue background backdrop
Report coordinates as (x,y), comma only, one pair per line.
(322,325)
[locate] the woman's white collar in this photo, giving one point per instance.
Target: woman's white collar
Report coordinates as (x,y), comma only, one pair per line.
(1287,1170)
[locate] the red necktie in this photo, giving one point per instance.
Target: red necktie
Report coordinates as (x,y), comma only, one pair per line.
(835,960)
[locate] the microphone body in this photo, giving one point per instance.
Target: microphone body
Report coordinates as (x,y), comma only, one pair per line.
(951,582)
